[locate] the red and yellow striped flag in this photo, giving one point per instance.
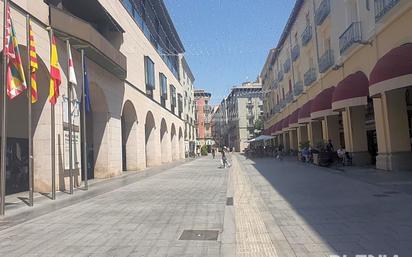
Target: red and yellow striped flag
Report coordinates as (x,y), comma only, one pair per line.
(16,81)
(34,66)
(55,78)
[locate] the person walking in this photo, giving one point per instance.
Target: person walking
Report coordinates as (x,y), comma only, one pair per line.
(213,152)
(224,158)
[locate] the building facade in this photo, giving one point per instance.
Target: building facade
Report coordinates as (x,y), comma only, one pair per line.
(236,116)
(342,71)
(203,117)
(141,91)
(187,81)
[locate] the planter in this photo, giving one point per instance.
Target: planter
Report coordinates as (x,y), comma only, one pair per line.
(315,158)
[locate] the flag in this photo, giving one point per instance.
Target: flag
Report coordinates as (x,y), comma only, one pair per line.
(55,78)
(72,74)
(34,66)
(16,81)
(86,88)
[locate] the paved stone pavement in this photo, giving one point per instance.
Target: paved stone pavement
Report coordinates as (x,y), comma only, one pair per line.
(145,218)
(280,209)
(319,212)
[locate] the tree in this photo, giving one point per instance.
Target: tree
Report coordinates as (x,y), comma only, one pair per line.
(258,126)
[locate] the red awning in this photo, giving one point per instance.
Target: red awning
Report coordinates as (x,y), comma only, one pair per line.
(322,104)
(351,91)
(392,71)
(294,118)
(304,113)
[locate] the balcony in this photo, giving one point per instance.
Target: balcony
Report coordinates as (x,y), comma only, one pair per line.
(322,12)
(286,65)
(289,97)
(352,35)
(310,77)
(80,34)
(276,108)
(295,53)
(326,61)
(280,76)
(282,104)
(298,88)
(250,115)
(382,7)
(307,35)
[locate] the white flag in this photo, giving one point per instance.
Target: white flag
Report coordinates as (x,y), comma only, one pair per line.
(72,74)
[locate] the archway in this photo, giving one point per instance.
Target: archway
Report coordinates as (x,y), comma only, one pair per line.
(174,142)
(181,145)
(129,137)
(96,134)
(164,142)
(150,146)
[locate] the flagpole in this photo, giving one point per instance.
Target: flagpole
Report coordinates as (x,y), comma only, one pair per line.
(3,119)
(53,138)
(83,127)
(69,112)
(29,92)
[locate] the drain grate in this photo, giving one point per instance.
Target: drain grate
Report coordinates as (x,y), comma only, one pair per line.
(229,201)
(381,195)
(200,235)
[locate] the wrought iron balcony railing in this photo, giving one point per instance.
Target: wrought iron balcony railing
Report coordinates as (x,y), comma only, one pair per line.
(326,61)
(298,88)
(352,35)
(282,103)
(310,77)
(322,12)
(382,7)
(289,97)
(307,35)
(295,53)
(276,109)
(286,65)
(280,76)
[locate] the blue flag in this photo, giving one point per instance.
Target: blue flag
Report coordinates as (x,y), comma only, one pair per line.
(86,88)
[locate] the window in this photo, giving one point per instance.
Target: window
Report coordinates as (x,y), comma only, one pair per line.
(172,98)
(290,85)
(163,87)
(179,105)
(149,76)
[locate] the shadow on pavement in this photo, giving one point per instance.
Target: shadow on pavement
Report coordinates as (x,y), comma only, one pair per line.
(314,207)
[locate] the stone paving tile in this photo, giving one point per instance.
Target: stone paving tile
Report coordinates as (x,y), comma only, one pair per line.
(144,218)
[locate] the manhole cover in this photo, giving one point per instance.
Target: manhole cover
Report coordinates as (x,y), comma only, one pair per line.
(200,235)
(229,201)
(381,195)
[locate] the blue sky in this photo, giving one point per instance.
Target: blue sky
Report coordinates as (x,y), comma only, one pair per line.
(227,41)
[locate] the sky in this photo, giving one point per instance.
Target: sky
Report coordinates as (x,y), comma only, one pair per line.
(227,41)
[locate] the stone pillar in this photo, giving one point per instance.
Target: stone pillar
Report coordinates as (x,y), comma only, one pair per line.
(302,134)
(293,139)
(286,142)
(392,131)
(330,128)
(355,134)
(315,132)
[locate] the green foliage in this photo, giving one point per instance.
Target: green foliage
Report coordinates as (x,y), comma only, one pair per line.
(304,144)
(204,150)
(321,146)
(258,127)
